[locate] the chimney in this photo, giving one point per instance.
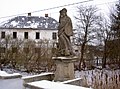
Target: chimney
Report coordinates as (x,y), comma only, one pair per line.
(29,14)
(46,15)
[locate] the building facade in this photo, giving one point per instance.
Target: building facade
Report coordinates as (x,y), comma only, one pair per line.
(29,33)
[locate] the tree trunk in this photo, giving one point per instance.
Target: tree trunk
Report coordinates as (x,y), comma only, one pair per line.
(104,62)
(119,53)
(83,48)
(104,57)
(82,55)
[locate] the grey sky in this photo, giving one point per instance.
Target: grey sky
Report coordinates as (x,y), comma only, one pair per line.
(14,7)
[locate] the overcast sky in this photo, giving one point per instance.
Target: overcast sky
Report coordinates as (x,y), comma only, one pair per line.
(14,7)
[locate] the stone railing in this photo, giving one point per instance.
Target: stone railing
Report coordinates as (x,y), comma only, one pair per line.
(44,76)
(77,81)
(44,84)
(5,75)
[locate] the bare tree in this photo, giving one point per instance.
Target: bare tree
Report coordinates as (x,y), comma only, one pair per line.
(115,28)
(6,44)
(88,19)
(103,37)
(16,46)
(28,55)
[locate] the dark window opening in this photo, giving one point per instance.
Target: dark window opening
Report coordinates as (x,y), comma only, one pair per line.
(37,35)
(14,35)
(54,36)
(2,34)
(26,35)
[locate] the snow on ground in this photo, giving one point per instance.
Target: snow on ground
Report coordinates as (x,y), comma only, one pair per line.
(5,74)
(11,71)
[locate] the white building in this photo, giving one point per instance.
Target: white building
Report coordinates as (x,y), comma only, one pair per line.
(30,27)
(29,33)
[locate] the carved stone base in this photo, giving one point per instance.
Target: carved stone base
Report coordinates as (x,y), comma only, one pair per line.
(64,68)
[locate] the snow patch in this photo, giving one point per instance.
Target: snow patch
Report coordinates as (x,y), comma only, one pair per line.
(44,84)
(46,25)
(23,18)
(48,73)
(54,22)
(68,81)
(29,22)
(4,74)
(34,25)
(14,23)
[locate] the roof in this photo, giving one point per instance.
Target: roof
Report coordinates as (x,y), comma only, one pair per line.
(11,28)
(31,22)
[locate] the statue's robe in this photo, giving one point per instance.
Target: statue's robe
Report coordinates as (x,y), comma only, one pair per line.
(65,30)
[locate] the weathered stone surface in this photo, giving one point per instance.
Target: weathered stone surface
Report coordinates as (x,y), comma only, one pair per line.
(65,31)
(64,68)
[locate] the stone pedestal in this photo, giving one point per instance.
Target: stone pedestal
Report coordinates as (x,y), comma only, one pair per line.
(64,68)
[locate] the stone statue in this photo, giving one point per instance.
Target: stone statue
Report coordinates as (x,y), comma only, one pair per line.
(64,33)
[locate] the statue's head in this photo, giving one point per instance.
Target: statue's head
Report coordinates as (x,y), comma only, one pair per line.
(63,12)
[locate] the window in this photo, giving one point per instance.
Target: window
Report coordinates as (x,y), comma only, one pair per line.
(14,35)
(37,35)
(2,34)
(54,35)
(26,35)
